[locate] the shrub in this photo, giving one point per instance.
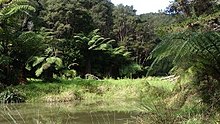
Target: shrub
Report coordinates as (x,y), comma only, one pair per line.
(11,96)
(129,70)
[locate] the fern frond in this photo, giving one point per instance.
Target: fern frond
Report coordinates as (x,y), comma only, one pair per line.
(14,7)
(11,10)
(47,63)
(38,60)
(121,51)
(188,48)
(39,71)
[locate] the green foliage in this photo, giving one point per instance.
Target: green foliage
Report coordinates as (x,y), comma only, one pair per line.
(64,18)
(101,13)
(94,47)
(121,51)
(17,46)
(137,33)
(27,45)
(129,70)
(94,41)
(124,23)
(38,35)
(48,62)
(183,46)
(192,48)
(160,114)
(14,7)
(108,89)
(69,74)
(192,8)
(45,66)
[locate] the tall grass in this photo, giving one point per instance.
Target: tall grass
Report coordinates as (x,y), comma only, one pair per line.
(151,92)
(159,102)
(180,105)
(91,90)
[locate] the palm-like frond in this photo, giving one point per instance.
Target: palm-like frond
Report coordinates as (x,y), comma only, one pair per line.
(38,60)
(94,41)
(44,63)
(189,48)
(13,7)
(121,51)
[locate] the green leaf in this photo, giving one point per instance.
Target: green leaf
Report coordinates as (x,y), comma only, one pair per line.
(59,63)
(45,66)
(28,67)
(38,60)
(39,71)
(51,60)
(55,60)
(15,7)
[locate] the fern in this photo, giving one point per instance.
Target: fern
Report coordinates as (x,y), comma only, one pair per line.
(94,41)
(195,55)
(121,51)
(38,60)
(39,71)
(189,49)
(14,7)
(45,63)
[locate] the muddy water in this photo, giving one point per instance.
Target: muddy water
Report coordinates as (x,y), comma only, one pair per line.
(70,113)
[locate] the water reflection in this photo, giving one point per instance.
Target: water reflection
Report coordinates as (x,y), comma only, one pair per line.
(69,113)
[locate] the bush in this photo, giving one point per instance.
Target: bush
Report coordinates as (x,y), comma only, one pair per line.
(69,74)
(129,70)
(209,90)
(11,96)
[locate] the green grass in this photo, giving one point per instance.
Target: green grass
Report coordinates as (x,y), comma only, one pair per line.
(160,103)
(158,82)
(90,90)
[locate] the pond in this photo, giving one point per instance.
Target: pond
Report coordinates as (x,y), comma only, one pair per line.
(114,112)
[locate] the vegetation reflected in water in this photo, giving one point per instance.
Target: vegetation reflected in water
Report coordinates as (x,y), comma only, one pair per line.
(69,113)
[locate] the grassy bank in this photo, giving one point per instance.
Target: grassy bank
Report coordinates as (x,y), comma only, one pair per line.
(92,90)
(160,103)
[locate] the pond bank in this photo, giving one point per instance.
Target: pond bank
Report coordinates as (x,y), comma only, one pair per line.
(122,98)
(68,113)
(92,90)
(152,98)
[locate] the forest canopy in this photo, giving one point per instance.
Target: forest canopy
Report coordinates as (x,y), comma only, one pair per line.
(46,39)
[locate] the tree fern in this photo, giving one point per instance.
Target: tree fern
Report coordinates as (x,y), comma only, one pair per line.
(94,41)
(13,7)
(189,47)
(121,51)
(48,63)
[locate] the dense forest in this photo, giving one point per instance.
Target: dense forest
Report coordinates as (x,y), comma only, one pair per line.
(55,38)
(67,49)
(50,39)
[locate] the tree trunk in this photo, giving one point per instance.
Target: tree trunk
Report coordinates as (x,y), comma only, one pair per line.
(21,76)
(88,65)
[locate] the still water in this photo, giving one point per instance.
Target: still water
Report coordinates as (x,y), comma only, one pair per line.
(70,113)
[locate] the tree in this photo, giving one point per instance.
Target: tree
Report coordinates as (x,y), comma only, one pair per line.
(101,13)
(66,18)
(90,44)
(14,41)
(193,47)
(192,7)
(124,24)
(46,65)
